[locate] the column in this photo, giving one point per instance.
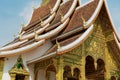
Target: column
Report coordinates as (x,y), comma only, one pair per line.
(1,67)
(72,70)
(82,67)
(107,73)
(95,64)
(60,69)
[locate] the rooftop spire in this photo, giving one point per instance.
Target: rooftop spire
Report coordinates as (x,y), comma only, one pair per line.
(58,44)
(36,35)
(84,22)
(33,7)
(44,2)
(14,36)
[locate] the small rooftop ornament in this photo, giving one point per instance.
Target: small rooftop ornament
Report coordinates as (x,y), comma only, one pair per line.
(36,35)
(58,44)
(20,35)
(33,8)
(84,22)
(41,21)
(23,25)
(50,8)
(22,28)
(14,36)
(61,15)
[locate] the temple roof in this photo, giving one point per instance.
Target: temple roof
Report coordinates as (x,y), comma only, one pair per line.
(63,23)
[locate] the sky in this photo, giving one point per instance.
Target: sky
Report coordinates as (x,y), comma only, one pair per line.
(13,13)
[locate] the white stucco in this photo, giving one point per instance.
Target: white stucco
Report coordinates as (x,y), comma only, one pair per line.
(31,55)
(52,75)
(38,52)
(41,75)
(9,63)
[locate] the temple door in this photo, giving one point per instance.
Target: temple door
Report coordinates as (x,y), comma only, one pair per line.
(20,77)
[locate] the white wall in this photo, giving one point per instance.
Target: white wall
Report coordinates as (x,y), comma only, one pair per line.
(9,63)
(41,75)
(52,76)
(31,71)
(36,53)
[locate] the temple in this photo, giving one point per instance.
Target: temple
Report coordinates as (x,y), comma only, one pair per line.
(64,40)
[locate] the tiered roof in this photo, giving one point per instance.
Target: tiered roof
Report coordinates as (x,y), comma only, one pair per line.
(64,23)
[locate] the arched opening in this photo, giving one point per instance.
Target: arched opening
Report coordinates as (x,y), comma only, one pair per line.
(20,77)
(113,78)
(100,69)
(51,73)
(76,74)
(89,66)
(100,65)
(67,73)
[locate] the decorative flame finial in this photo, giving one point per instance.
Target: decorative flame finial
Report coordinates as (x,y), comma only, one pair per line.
(58,44)
(36,35)
(84,22)
(20,35)
(50,8)
(23,26)
(33,7)
(41,21)
(61,14)
(14,36)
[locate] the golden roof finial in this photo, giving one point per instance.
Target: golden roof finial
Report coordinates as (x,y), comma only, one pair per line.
(58,44)
(23,26)
(41,21)
(36,35)
(20,35)
(14,36)
(61,14)
(50,8)
(33,7)
(84,22)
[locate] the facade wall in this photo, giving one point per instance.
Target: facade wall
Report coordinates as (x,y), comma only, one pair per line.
(96,47)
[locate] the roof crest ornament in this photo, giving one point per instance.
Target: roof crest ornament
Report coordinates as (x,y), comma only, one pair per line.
(23,26)
(50,8)
(61,14)
(58,44)
(84,22)
(33,7)
(14,36)
(41,21)
(20,35)
(36,35)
